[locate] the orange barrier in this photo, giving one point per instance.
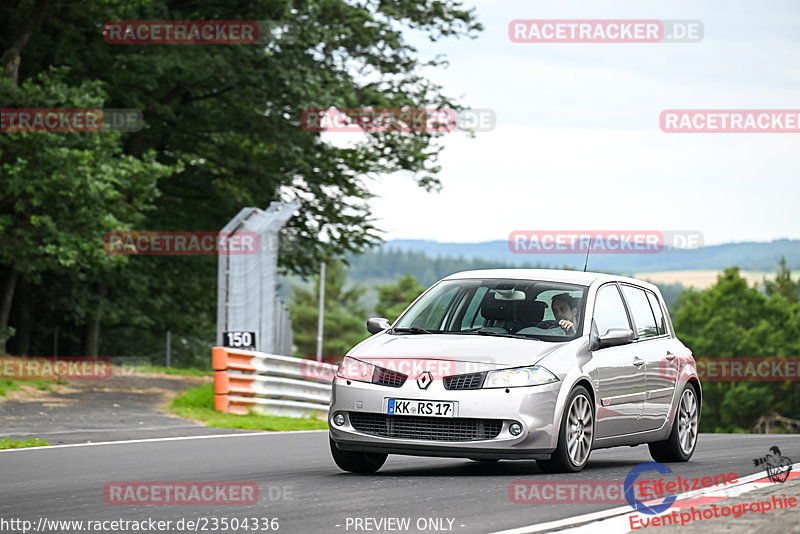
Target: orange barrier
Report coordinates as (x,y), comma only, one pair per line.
(247,381)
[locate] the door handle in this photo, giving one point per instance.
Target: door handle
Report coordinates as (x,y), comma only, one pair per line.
(670,356)
(637,361)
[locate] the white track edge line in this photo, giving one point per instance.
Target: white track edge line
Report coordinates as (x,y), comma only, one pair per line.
(153,440)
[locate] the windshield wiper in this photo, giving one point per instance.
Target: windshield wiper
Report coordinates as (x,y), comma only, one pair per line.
(413,330)
(482,332)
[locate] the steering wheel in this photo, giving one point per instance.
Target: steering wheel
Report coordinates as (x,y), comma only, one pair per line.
(547,325)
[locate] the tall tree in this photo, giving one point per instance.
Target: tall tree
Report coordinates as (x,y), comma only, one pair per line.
(222,131)
(783,284)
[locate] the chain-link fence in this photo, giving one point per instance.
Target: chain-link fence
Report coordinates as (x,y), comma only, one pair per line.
(246,291)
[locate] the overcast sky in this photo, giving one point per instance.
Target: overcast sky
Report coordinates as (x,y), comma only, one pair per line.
(578,145)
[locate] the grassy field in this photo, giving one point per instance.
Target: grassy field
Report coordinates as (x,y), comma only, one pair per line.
(700,279)
(198,404)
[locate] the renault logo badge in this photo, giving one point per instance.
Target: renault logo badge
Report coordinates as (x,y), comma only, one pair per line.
(424,380)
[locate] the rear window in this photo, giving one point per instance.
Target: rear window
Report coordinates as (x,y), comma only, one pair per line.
(661,321)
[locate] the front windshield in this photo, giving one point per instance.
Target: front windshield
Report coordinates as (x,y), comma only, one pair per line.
(549,311)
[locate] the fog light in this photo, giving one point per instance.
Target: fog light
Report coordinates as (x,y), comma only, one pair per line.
(338,419)
(515,429)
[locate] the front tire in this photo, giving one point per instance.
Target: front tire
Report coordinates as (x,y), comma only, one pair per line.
(357,462)
(575,437)
(682,440)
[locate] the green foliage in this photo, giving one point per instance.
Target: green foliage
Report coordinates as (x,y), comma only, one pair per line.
(732,320)
(198,404)
(42,385)
(222,131)
(393,299)
(783,285)
(8,385)
(344,318)
(6,443)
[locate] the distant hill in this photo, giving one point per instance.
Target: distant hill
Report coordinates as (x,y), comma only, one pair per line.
(748,256)
(387,265)
(429,261)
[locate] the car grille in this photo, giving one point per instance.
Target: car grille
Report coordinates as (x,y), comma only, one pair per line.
(427,428)
(387,377)
(468,381)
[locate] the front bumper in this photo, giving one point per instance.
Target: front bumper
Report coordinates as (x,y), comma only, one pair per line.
(533,407)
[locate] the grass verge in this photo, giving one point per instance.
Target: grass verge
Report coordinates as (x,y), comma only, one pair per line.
(6,443)
(159,369)
(198,404)
(14,385)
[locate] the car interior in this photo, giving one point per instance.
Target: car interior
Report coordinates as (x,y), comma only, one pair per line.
(515,316)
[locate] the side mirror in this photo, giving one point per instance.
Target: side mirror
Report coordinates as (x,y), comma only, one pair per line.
(377,324)
(615,337)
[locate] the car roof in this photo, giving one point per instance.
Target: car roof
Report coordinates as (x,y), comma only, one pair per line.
(549,275)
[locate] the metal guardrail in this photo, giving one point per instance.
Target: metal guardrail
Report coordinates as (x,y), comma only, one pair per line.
(246,381)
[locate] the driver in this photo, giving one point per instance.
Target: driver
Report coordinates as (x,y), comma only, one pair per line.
(565,309)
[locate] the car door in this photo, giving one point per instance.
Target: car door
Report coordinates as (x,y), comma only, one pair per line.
(620,378)
(661,367)
(652,347)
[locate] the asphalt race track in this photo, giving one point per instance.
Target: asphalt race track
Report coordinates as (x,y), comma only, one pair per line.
(301,486)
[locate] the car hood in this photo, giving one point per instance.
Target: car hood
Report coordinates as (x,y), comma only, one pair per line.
(485,352)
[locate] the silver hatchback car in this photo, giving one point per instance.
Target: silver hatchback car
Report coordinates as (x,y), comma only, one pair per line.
(518,364)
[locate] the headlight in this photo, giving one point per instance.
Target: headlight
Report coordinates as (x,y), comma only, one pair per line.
(521,376)
(352,369)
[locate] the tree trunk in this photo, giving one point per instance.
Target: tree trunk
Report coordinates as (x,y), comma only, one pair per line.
(10,58)
(92,344)
(6,299)
(25,318)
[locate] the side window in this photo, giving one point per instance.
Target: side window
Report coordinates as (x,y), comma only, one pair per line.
(609,311)
(641,311)
(661,322)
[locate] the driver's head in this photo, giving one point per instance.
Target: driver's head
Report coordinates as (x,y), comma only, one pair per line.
(564,307)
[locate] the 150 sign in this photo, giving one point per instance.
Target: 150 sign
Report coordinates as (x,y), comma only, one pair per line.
(239,340)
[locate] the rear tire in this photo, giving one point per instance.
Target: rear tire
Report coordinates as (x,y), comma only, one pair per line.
(682,440)
(357,462)
(575,437)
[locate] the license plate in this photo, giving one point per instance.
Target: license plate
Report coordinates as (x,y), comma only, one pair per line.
(418,407)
